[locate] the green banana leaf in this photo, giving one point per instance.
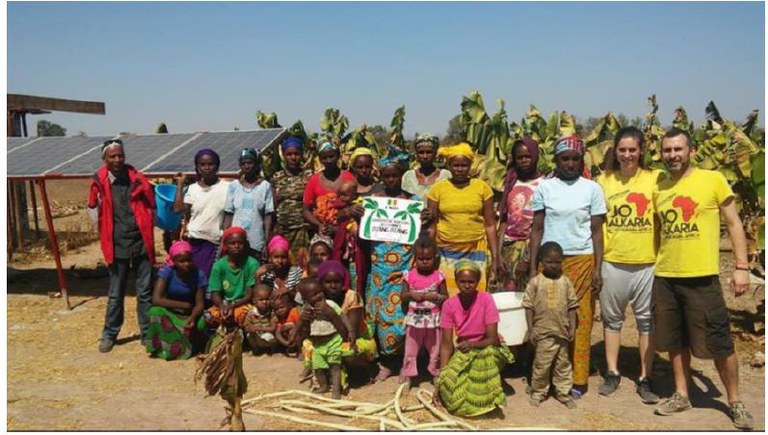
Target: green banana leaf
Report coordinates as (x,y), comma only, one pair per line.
(552,126)
(334,124)
(489,170)
(681,120)
(398,124)
(748,126)
(757,177)
(267,120)
(567,125)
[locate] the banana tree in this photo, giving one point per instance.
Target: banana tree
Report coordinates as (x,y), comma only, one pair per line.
(653,132)
(359,137)
(271,157)
(600,141)
(267,120)
(398,124)
(474,121)
(333,124)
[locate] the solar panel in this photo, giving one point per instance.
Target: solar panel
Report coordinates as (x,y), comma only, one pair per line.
(226,144)
(140,151)
(48,153)
(151,154)
(16,142)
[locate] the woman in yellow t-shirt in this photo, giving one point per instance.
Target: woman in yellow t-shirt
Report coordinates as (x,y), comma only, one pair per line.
(629,256)
(465,224)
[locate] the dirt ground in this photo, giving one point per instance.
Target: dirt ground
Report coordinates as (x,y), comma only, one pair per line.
(57,379)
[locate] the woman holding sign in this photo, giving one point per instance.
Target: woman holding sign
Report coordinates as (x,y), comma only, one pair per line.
(466,224)
(388,262)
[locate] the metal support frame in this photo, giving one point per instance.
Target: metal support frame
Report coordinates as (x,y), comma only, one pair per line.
(54,242)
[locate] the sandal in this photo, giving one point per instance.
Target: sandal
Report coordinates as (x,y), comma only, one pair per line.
(384,374)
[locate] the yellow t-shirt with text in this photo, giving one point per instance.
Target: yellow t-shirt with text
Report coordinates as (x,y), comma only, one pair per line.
(460,210)
(689,211)
(629,224)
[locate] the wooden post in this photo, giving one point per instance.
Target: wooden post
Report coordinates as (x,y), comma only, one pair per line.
(34,208)
(9,225)
(54,242)
(17,214)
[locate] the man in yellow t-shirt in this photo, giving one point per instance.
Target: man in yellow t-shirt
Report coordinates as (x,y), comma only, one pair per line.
(689,310)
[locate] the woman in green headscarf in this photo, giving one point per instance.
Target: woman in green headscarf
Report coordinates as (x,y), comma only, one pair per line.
(469,383)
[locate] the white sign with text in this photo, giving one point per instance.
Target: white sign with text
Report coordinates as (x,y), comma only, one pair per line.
(391,220)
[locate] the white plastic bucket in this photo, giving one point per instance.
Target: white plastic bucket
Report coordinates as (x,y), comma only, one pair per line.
(512,325)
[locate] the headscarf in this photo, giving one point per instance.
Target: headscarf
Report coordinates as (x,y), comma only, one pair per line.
(359,151)
(207,152)
(329,266)
(110,143)
(428,138)
(325,146)
(319,238)
(459,150)
(511,179)
(569,143)
(249,153)
(573,143)
(292,141)
(278,242)
(178,247)
(394,157)
(467,265)
(228,232)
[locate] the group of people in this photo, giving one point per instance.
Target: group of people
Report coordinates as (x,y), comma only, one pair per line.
(284,261)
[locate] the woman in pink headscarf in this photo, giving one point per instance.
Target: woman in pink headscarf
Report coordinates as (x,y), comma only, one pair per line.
(175,318)
(279,273)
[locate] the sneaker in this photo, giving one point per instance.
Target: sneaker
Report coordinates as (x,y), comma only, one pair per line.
(106,345)
(568,402)
(742,419)
(577,392)
(676,403)
(535,402)
(647,395)
(610,384)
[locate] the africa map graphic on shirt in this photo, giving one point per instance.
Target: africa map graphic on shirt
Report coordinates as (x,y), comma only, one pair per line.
(640,202)
(677,221)
(622,217)
(686,205)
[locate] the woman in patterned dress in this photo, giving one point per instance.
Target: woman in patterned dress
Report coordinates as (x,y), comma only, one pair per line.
(388,262)
(288,188)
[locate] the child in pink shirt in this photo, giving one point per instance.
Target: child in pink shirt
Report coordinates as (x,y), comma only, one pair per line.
(422,296)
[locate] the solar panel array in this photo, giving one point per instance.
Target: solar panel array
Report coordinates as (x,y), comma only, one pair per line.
(16,142)
(151,154)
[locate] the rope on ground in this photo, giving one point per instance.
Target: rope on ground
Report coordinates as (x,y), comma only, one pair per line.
(305,421)
(383,414)
(427,402)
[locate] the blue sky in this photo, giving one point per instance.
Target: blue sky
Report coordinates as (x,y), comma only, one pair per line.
(211,66)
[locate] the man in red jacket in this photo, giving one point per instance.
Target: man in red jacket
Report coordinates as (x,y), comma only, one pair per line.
(126,209)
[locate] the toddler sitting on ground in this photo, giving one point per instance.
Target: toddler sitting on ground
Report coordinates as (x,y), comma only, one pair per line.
(260,322)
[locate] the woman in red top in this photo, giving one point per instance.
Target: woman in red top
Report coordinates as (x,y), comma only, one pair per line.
(322,183)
